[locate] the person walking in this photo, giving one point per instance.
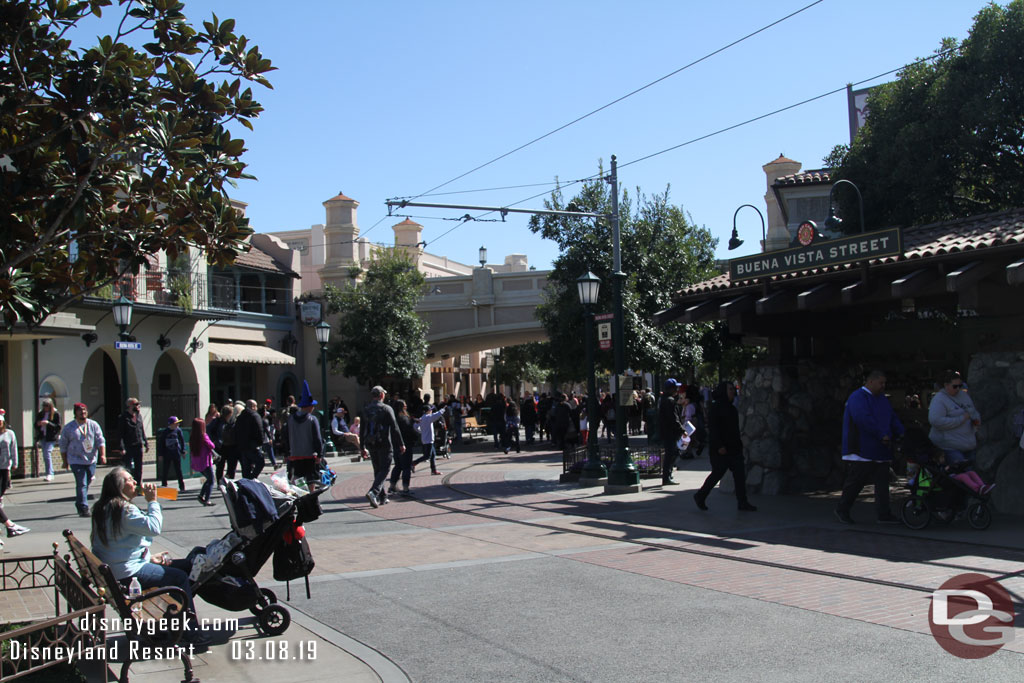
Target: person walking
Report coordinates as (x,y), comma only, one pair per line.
(380,438)
(133,437)
(726,448)
(170,447)
(201,449)
(670,429)
(8,456)
(249,440)
(228,461)
(403,459)
(869,425)
(82,443)
(426,423)
(47,434)
(305,440)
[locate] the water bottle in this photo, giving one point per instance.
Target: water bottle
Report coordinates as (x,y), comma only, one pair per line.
(135,591)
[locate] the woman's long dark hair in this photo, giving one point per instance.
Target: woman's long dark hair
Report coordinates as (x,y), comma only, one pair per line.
(195,439)
(402,408)
(111,505)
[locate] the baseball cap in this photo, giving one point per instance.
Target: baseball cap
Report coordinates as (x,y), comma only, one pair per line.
(671,384)
(377,390)
(172,420)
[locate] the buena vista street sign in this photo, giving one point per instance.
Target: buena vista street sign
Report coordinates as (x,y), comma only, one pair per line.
(832,252)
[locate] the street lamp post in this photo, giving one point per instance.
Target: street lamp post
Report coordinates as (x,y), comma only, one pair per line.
(482,254)
(588,286)
(123,318)
(833,222)
(623,477)
(735,241)
(323,335)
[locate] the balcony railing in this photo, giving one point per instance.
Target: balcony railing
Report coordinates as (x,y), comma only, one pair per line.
(193,290)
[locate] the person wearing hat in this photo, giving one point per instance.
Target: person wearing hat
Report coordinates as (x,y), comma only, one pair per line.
(341,431)
(82,443)
(133,438)
(170,446)
(305,440)
(381,438)
(670,428)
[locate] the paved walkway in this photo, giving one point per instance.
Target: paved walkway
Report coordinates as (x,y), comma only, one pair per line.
(492,510)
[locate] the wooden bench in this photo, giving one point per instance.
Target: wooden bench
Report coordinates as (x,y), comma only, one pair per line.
(471,425)
(159,613)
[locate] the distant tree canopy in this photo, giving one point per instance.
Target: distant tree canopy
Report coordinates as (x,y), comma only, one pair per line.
(519,363)
(111,153)
(380,334)
(661,250)
(946,138)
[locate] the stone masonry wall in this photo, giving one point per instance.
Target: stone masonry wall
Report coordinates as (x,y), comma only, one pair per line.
(996,382)
(791,422)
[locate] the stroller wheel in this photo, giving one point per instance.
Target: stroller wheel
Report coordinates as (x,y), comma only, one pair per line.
(267,595)
(274,620)
(979,516)
(915,513)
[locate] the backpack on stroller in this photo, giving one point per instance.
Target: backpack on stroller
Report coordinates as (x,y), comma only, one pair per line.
(934,492)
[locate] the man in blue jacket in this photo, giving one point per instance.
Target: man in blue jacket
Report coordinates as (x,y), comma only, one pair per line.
(869,424)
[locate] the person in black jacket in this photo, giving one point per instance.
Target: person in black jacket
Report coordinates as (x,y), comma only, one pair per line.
(249,440)
(726,448)
(403,460)
(670,429)
(380,438)
(47,434)
(133,438)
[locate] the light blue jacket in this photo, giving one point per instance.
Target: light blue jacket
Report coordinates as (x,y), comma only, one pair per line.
(129,552)
(950,431)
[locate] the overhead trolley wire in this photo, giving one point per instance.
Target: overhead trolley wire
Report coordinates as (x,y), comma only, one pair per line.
(732,127)
(620,99)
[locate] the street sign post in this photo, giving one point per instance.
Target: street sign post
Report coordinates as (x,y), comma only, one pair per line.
(604,336)
(128,346)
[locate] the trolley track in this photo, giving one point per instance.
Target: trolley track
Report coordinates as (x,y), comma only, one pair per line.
(684,550)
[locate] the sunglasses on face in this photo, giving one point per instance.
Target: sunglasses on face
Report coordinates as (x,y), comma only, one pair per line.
(956,386)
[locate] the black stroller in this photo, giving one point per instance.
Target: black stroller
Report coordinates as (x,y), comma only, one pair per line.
(442,439)
(935,493)
(223,574)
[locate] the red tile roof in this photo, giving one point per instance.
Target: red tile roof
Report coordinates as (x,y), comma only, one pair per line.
(341,196)
(257,259)
(819,176)
(782,160)
(408,221)
(988,231)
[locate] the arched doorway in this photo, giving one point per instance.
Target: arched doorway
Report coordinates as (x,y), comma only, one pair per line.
(175,389)
(101,392)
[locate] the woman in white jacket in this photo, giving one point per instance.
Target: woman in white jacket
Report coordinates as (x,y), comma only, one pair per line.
(954,420)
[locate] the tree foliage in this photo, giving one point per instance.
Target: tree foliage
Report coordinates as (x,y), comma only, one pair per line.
(661,251)
(113,152)
(380,333)
(945,139)
(520,363)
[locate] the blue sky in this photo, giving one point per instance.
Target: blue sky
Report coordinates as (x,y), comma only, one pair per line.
(388,99)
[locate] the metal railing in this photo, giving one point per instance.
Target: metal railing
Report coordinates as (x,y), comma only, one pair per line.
(195,290)
(646,458)
(77,628)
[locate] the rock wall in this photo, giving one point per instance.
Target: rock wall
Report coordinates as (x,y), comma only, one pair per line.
(996,382)
(791,422)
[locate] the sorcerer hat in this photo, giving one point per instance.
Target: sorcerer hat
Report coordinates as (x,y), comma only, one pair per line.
(306,400)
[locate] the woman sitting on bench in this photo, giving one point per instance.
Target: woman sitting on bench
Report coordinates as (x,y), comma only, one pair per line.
(122,536)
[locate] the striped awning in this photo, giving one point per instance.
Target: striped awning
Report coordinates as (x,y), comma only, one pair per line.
(247,353)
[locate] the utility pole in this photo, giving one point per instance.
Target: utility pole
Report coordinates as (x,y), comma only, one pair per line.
(623,476)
